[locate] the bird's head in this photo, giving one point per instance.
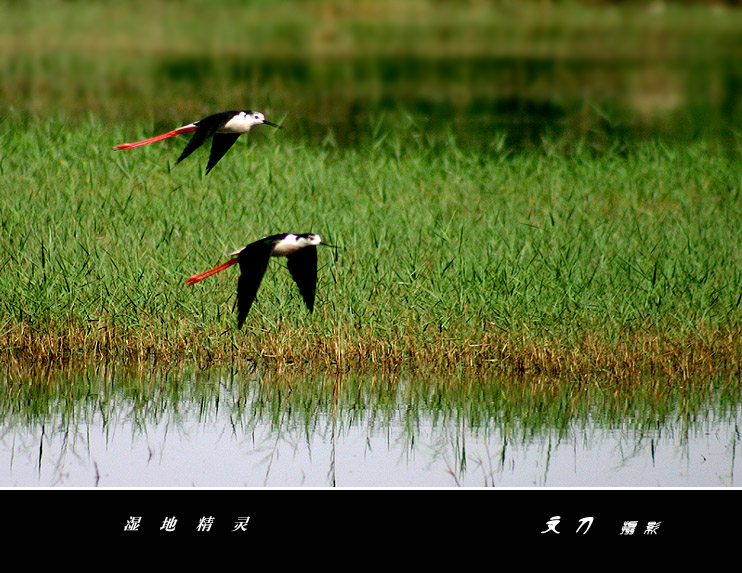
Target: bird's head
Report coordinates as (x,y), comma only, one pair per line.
(312,240)
(256,118)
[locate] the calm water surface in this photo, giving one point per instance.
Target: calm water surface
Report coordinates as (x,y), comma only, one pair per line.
(112,428)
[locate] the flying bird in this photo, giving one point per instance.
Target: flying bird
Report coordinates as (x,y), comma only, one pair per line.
(224,128)
(301,253)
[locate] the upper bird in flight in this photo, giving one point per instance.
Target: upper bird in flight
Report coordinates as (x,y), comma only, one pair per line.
(301,253)
(224,128)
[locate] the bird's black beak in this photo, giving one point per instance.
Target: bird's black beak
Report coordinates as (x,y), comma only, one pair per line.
(266,122)
(327,245)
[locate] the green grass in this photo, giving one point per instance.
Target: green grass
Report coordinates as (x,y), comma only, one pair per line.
(544,260)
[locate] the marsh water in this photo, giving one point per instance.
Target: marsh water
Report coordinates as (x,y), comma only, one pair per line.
(110,426)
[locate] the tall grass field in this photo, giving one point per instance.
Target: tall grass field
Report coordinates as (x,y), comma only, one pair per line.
(567,263)
(521,187)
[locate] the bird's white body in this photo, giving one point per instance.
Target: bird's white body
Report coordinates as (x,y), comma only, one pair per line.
(243,122)
(292,243)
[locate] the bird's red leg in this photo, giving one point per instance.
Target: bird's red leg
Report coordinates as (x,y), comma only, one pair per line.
(196,278)
(184,129)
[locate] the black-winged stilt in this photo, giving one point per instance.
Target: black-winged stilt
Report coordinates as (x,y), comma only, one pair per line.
(299,249)
(224,128)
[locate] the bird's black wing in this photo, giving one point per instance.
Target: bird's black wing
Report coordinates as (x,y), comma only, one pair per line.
(205,128)
(253,261)
(303,267)
(220,144)
(197,140)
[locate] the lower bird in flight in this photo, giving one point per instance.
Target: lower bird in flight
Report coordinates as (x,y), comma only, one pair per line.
(301,253)
(224,128)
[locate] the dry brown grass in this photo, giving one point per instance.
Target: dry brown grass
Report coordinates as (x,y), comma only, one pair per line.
(701,352)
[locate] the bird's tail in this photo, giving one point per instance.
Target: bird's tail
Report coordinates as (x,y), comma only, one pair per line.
(185,129)
(196,278)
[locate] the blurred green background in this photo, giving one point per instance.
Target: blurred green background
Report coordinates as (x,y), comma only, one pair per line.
(335,71)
